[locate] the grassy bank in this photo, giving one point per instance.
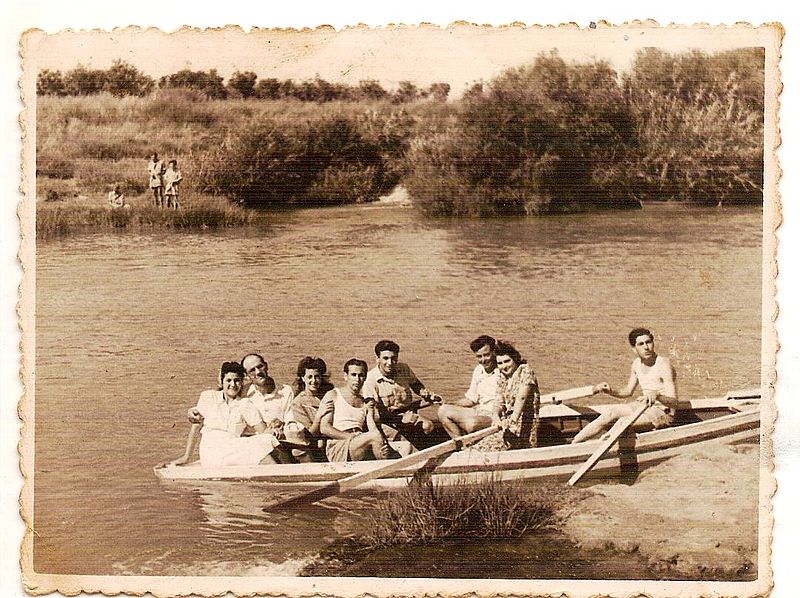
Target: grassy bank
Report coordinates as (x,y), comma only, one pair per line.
(548,137)
(59,218)
(265,153)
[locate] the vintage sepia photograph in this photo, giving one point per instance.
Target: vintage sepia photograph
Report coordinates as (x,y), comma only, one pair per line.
(400,310)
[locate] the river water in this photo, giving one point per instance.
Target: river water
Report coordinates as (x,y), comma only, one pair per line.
(131,328)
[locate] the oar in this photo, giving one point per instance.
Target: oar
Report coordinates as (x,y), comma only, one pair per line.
(603,448)
(571,394)
(384,469)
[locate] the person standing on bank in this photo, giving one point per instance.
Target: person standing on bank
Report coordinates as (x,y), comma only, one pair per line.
(474,412)
(155,172)
(657,378)
(172,178)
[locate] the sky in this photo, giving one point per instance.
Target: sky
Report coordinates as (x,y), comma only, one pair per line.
(17,16)
(458,55)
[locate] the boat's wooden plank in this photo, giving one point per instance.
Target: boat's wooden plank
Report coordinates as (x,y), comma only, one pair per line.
(647,443)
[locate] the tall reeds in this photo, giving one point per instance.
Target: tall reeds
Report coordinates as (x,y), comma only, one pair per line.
(429,513)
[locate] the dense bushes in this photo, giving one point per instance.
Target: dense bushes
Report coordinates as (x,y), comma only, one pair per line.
(700,124)
(330,159)
(546,137)
(553,136)
(532,142)
(121,79)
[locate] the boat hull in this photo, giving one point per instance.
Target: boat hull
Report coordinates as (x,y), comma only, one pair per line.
(631,453)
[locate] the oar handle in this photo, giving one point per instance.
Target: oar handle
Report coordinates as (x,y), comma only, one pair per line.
(571,394)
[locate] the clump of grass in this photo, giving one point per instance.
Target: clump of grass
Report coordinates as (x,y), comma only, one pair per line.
(429,513)
(63,218)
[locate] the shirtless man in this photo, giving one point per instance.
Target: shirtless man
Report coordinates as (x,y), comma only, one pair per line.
(474,411)
(655,375)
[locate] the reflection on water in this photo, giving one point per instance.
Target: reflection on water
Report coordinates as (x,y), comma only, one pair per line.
(131,328)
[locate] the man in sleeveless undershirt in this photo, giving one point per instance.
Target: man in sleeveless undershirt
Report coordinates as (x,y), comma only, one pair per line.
(651,372)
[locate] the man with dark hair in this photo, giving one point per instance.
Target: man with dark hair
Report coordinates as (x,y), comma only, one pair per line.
(656,377)
(393,383)
(474,411)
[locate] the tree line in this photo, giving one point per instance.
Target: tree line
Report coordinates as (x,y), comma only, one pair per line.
(123,79)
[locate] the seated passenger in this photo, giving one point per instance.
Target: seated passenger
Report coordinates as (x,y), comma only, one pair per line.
(517,403)
(221,417)
(349,421)
(391,383)
(474,412)
(655,375)
(304,417)
(272,402)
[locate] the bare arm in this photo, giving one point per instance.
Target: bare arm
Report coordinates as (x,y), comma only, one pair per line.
(326,423)
(627,390)
(525,394)
(325,407)
(191,444)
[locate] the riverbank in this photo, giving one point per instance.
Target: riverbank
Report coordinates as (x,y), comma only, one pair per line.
(692,517)
(74,214)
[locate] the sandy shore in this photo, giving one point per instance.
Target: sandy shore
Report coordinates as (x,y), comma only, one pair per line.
(694,515)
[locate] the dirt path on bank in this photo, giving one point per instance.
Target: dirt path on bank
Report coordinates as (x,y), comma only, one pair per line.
(694,515)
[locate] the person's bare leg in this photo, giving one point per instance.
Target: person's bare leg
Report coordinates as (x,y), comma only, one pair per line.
(602,423)
(458,420)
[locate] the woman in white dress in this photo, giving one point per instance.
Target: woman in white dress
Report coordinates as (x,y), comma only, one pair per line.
(223,416)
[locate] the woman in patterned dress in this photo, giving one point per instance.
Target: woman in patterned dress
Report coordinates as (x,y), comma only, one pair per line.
(517,402)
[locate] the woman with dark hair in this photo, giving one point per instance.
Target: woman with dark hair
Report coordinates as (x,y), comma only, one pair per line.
(223,415)
(304,416)
(517,402)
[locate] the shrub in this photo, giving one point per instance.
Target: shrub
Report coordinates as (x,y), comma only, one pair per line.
(529,143)
(208,83)
(50,83)
(123,79)
(700,123)
(275,163)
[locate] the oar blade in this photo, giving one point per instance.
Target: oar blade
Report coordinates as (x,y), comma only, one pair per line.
(571,394)
(304,498)
(383,469)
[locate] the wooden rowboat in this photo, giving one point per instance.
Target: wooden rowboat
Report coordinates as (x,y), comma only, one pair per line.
(734,418)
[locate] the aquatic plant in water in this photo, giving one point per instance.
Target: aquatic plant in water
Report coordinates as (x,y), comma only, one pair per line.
(427,513)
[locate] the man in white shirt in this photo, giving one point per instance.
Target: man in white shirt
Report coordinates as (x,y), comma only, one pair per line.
(273,401)
(474,411)
(651,372)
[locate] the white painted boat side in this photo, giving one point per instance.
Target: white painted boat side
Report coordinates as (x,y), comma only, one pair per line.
(544,462)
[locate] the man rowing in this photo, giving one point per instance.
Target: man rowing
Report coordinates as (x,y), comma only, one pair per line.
(656,377)
(392,382)
(474,411)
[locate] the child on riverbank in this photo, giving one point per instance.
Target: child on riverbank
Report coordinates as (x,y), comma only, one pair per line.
(116,199)
(172,177)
